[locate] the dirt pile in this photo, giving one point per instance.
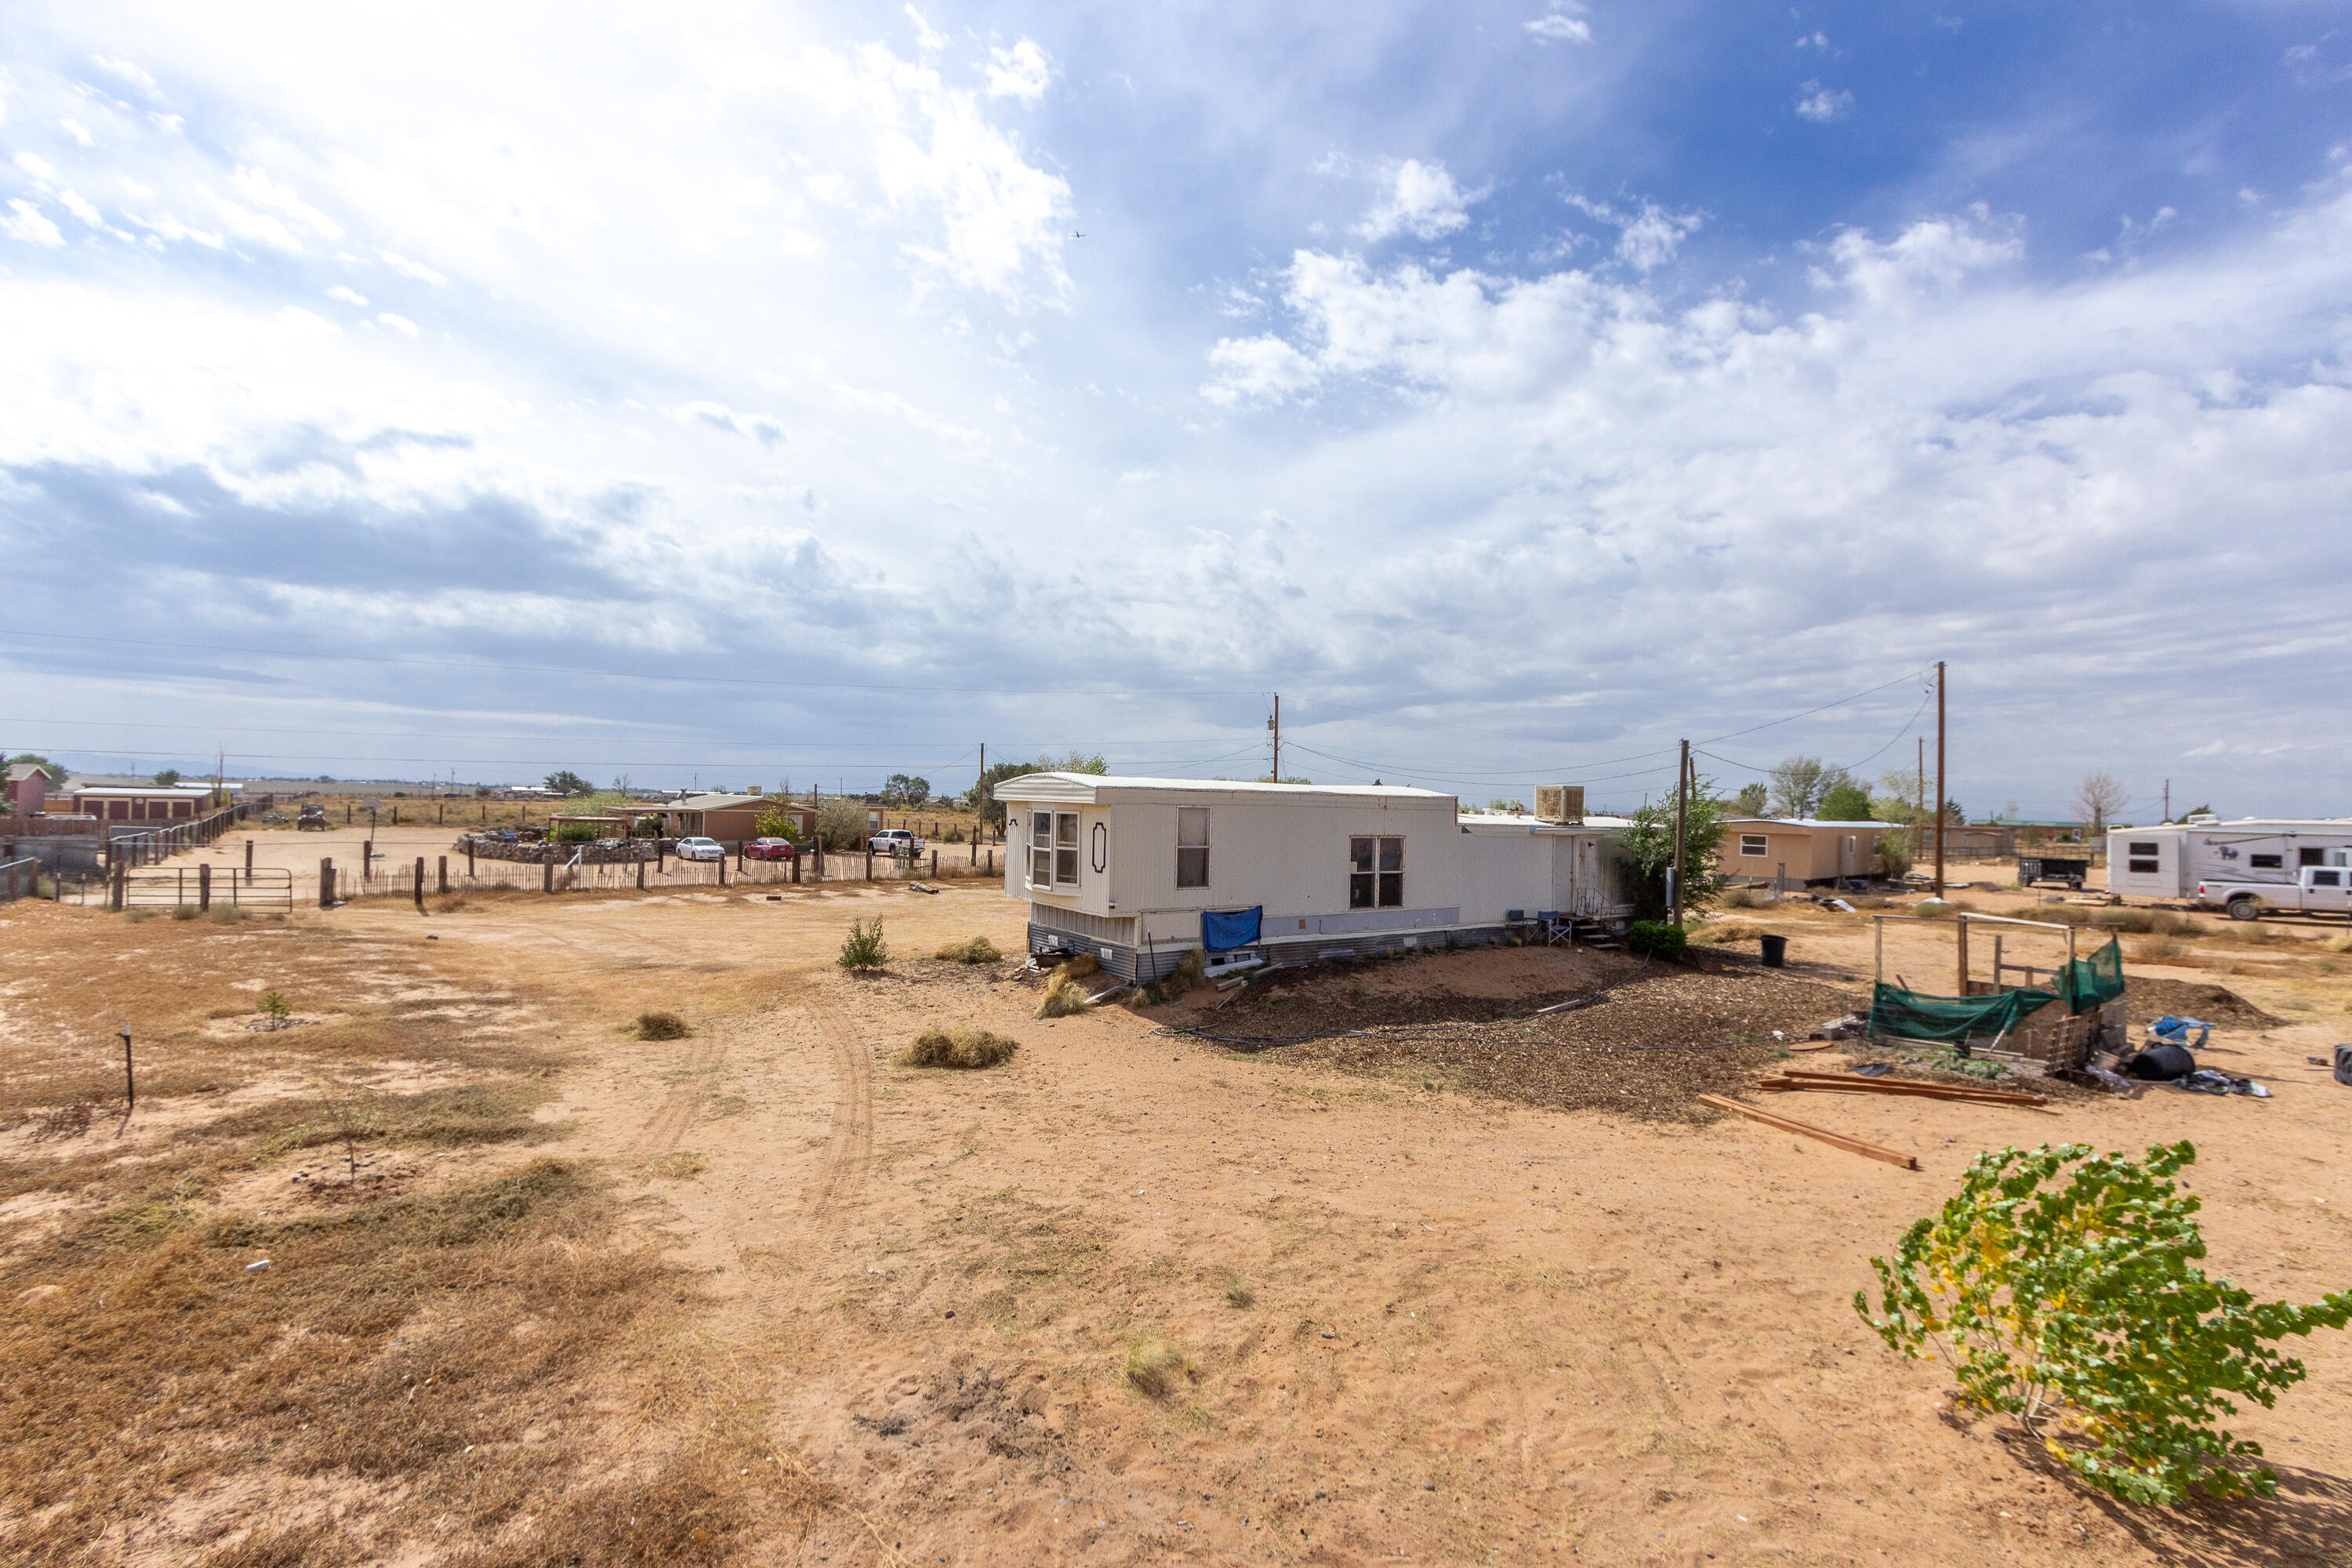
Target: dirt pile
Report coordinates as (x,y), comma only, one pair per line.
(1660,1037)
(2193,999)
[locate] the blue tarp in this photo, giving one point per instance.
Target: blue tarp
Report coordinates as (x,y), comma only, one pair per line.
(1225,930)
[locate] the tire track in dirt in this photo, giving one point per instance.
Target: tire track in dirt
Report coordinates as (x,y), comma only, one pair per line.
(849,1152)
(682,1105)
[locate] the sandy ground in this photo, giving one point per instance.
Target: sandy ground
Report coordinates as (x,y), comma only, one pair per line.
(1421,1325)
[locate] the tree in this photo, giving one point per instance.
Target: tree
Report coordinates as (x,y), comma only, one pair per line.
(983,795)
(2069,1301)
(902,790)
(566,782)
(2098,797)
(773,823)
(167,778)
(1847,803)
(1650,850)
(1800,783)
(57,773)
(1752,799)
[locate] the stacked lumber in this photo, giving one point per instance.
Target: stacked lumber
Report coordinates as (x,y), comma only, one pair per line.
(1837,1139)
(1790,1079)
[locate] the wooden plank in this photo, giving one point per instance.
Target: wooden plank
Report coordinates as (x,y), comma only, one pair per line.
(1851,1145)
(1800,1078)
(1956,1096)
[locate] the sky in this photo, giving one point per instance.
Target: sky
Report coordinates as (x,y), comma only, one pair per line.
(785,395)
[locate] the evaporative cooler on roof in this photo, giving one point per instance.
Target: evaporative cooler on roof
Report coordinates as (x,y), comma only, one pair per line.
(1560,803)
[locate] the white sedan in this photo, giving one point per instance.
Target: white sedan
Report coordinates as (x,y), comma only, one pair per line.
(702,849)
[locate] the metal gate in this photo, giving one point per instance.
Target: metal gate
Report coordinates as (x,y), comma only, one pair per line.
(186,887)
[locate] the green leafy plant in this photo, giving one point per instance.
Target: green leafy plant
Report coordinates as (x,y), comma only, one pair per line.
(1655,939)
(276,1007)
(1649,849)
(864,948)
(573,833)
(776,822)
(1950,1060)
(2070,1302)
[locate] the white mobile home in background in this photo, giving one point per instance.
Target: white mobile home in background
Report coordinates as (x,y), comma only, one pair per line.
(2168,862)
(1126,867)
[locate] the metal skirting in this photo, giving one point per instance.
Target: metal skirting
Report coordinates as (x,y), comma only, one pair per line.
(1118,930)
(1156,961)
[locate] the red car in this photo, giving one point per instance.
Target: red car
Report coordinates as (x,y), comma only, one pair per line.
(772,849)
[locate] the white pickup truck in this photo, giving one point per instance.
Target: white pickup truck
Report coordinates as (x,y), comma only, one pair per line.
(2319,890)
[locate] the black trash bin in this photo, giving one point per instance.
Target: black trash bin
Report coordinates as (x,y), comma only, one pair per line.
(1776,951)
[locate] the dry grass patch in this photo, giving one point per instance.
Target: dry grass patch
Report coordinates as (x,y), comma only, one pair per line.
(679,1165)
(661,1027)
(956,1049)
(974,949)
(1156,1366)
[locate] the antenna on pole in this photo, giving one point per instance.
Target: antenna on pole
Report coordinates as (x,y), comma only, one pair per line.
(1275,724)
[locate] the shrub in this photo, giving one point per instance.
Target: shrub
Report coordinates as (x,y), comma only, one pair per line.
(958,1049)
(274,1003)
(185,911)
(1746,898)
(1655,939)
(573,833)
(1154,1364)
(647,827)
(1064,994)
(1186,974)
(2075,1309)
(974,949)
(661,1027)
(1237,1291)
(1894,854)
(864,948)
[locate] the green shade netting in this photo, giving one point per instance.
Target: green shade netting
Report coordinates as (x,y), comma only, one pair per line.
(1914,1017)
(2084,984)
(2087,983)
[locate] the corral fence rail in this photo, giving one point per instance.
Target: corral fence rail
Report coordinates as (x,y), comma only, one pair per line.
(19,880)
(380,875)
(154,845)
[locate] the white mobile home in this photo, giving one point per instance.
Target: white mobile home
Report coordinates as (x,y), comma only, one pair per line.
(2168,862)
(1139,870)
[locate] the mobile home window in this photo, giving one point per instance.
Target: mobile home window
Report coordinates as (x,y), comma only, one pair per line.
(1191,846)
(2267,862)
(2145,867)
(1755,845)
(1065,847)
(2143,849)
(1040,848)
(2311,856)
(1376,873)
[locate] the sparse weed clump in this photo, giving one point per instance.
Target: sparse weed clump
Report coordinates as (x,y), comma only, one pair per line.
(974,949)
(661,1027)
(1156,1365)
(275,1007)
(864,948)
(1065,994)
(185,911)
(1237,1291)
(964,1048)
(1186,974)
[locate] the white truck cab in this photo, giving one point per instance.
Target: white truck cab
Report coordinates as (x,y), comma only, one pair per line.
(2316,891)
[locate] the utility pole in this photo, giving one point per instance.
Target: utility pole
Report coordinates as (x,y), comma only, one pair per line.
(2167,800)
(1919,816)
(1682,827)
(980,803)
(1275,724)
(1940,778)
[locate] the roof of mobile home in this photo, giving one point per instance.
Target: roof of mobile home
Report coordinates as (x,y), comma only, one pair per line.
(2241,823)
(1101,789)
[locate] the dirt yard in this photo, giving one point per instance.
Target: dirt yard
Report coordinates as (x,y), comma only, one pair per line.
(542,1291)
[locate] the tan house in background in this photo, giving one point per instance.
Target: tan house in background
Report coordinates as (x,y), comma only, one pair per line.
(728,818)
(1766,849)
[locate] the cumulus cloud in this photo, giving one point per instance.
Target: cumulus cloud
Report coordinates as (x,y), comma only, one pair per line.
(1559,29)
(348,296)
(764,428)
(400,324)
(1018,72)
(26,223)
(1419,199)
(1821,104)
(124,69)
(74,129)
(408,269)
(39,167)
(1648,234)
